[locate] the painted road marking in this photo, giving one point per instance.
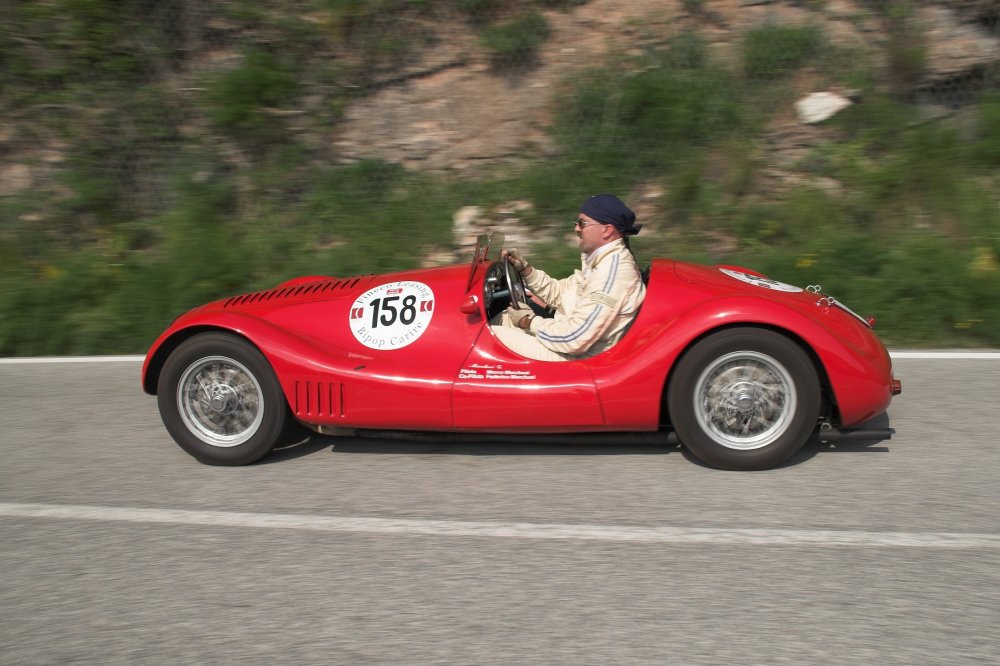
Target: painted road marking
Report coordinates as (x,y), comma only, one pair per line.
(71,359)
(946,356)
(548,531)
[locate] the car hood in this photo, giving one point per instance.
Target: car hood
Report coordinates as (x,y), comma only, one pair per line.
(299,290)
(731,280)
(737,279)
(315,288)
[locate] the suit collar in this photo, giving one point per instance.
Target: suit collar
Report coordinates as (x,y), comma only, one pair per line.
(600,253)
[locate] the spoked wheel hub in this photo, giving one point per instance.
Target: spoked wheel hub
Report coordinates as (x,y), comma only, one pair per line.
(219,400)
(745,400)
(224,399)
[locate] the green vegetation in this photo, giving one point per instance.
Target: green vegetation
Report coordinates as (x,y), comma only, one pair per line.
(906,48)
(693,6)
(514,44)
(774,51)
(239,99)
(987,139)
(178,179)
(677,103)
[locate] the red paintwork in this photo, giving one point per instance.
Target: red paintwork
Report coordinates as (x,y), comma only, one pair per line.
(457,376)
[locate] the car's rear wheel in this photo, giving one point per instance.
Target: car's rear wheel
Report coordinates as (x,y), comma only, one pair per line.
(220,400)
(744,399)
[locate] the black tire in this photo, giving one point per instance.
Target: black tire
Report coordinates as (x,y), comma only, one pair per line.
(220,400)
(744,399)
(294,433)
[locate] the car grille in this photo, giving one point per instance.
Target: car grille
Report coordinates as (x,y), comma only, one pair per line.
(318,399)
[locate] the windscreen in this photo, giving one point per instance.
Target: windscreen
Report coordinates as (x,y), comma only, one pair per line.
(488,248)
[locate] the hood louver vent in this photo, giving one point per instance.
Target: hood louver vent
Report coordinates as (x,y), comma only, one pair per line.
(312,288)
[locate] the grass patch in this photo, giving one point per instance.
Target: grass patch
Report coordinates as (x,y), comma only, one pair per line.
(775,51)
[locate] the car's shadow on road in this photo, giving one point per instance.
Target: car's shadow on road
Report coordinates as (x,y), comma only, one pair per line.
(811,449)
(365,445)
(501,448)
(451,444)
(816,446)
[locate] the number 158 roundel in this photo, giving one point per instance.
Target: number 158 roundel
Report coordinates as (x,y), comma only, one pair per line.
(740,369)
(392,315)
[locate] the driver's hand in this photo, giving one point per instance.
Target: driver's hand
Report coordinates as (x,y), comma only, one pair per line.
(520,316)
(518,262)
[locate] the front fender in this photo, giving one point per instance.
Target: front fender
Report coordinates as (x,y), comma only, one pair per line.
(856,365)
(853,359)
(286,352)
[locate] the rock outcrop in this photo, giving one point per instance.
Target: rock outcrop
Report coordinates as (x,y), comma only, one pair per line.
(458,115)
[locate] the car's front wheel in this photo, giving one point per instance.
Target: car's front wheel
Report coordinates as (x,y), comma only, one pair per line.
(744,399)
(220,400)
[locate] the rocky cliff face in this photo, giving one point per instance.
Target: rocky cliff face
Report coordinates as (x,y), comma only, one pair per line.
(451,112)
(446,108)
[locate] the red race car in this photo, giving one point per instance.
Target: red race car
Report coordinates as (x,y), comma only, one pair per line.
(740,369)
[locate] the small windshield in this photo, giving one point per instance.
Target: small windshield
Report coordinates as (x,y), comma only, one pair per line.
(488,248)
(493,243)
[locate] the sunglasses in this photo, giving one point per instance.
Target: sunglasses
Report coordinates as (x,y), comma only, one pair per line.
(582,224)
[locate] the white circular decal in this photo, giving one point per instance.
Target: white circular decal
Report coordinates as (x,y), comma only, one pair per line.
(393,315)
(758,281)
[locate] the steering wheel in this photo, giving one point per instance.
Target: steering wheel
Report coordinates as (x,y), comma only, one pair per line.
(518,292)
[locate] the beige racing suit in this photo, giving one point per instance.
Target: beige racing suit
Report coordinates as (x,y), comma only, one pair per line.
(594,308)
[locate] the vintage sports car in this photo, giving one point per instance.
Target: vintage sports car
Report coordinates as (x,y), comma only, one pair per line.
(740,369)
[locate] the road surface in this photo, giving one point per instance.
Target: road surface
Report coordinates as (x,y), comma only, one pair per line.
(118,548)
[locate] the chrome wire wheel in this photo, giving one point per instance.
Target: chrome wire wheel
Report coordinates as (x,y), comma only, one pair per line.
(220,401)
(745,400)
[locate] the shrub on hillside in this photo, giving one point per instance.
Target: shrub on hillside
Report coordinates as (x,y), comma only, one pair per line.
(515,43)
(987,146)
(238,100)
(678,98)
(774,51)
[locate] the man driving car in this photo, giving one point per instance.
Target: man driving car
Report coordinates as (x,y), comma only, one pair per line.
(593,307)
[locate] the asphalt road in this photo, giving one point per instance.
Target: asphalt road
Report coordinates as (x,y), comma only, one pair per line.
(117,548)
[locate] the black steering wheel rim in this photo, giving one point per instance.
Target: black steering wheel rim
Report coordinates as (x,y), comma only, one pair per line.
(515,283)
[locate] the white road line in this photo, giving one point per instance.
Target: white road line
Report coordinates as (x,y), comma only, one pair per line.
(923,355)
(951,355)
(71,359)
(549,531)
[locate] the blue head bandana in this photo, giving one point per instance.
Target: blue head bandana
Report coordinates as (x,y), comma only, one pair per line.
(609,209)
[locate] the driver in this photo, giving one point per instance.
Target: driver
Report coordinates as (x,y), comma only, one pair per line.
(593,307)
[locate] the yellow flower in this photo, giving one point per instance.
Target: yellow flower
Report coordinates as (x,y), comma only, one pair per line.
(805,262)
(985,261)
